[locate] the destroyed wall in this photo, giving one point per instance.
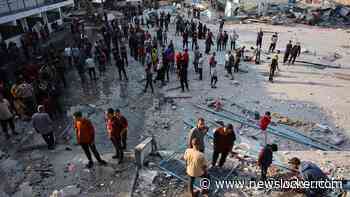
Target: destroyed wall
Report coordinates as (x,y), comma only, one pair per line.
(343,2)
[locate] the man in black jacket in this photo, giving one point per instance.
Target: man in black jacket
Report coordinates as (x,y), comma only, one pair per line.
(119,63)
(287,52)
(296,50)
(265,158)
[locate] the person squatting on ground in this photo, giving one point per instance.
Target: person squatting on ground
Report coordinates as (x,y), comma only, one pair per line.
(224,138)
(308,171)
(85,133)
(43,125)
(265,159)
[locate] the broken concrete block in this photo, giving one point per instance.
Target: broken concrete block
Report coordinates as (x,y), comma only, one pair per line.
(338,140)
(142,150)
(322,128)
(3,194)
(148,176)
(9,165)
(25,190)
(70,191)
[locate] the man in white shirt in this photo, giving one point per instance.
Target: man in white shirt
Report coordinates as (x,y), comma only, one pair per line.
(233,38)
(214,76)
(6,117)
(200,66)
(90,63)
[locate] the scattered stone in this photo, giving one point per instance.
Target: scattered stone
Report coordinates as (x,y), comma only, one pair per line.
(25,190)
(36,155)
(2,154)
(68,148)
(148,176)
(338,140)
(3,194)
(70,191)
(322,128)
(9,165)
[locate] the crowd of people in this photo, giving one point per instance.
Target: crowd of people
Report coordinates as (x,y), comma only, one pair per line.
(35,93)
(224,137)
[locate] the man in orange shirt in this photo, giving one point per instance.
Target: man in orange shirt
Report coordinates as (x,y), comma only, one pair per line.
(85,133)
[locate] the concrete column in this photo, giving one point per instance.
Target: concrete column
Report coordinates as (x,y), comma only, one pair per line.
(24,24)
(44,16)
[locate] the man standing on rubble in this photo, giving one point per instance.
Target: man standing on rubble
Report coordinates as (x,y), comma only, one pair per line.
(121,129)
(296,50)
(287,52)
(6,116)
(224,138)
(233,38)
(43,124)
(85,133)
(183,71)
(199,132)
(196,164)
(123,126)
(200,66)
(273,67)
(112,134)
(265,159)
(149,73)
(259,38)
(274,40)
(264,123)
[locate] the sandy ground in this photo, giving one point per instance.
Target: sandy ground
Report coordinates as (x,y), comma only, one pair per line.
(299,92)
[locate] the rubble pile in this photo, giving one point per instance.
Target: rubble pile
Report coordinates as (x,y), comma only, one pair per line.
(283,14)
(12,174)
(157,183)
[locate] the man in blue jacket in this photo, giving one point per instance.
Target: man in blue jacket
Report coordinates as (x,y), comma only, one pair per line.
(309,171)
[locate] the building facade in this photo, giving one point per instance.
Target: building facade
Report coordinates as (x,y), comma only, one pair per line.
(20,16)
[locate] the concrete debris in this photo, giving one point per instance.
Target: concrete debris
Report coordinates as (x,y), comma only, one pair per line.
(338,140)
(3,194)
(2,154)
(68,191)
(280,14)
(322,128)
(165,154)
(288,121)
(148,176)
(25,190)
